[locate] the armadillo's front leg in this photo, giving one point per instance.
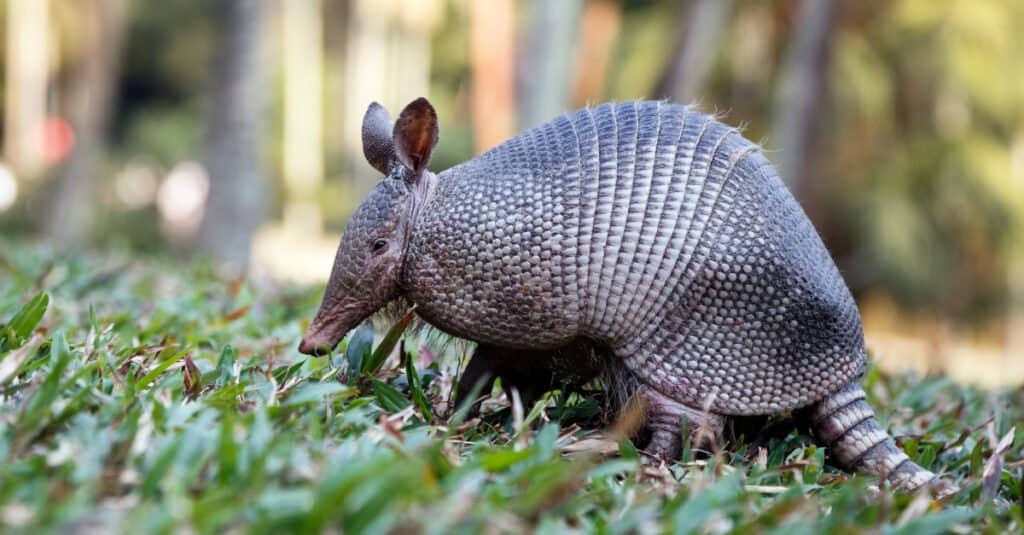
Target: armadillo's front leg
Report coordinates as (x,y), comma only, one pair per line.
(528,371)
(479,372)
(664,419)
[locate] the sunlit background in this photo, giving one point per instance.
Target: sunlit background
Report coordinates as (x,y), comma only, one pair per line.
(232,128)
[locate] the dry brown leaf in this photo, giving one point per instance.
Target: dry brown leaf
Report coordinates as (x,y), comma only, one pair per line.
(990,476)
(10,364)
(192,379)
(237,313)
(598,445)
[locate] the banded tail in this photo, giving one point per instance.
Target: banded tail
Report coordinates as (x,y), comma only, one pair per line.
(846,424)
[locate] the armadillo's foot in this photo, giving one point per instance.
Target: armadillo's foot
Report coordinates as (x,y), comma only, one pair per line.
(846,424)
(942,489)
(664,419)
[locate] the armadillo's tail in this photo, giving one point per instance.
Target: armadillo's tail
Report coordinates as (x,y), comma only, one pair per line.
(846,424)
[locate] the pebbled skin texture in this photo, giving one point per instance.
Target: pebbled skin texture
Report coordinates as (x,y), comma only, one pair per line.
(655,230)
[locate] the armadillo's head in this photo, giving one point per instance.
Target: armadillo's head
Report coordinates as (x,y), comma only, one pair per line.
(368,265)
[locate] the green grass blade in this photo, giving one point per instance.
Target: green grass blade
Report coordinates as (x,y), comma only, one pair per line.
(159,369)
(390,399)
(419,397)
(387,345)
(358,351)
(17,331)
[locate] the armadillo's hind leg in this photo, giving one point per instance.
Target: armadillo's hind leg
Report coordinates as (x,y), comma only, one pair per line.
(846,424)
(664,420)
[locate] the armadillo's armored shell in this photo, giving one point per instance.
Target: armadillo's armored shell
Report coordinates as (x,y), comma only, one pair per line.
(656,230)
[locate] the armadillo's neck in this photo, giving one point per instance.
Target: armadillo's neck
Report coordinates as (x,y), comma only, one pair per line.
(422,191)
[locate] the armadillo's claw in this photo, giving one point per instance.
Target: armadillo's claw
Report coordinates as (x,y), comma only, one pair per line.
(941,489)
(935,487)
(907,475)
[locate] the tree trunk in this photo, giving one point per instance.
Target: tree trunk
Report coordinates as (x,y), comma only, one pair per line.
(27,66)
(695,50)
(88,99)
(801,91)
(492,45)
(387,60)
(599,29)
(238,198)
(303,140)
(546,67)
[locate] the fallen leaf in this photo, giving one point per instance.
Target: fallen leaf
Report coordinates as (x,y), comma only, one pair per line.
(235,314)
(12,362)
(990,476)
(192,380)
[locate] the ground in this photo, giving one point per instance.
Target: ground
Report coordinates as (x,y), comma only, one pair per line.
(149,396)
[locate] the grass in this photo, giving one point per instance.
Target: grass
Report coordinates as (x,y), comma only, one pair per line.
(152,396)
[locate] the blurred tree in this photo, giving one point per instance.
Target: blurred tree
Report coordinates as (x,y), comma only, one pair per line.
(27,66)
(599,29)
(387,60)
(335,39)
(239,188)
(366,80)
(492,43)
(921,142)
(87,100)
(544,70)
(695,50)
(303,137)
(297,249)
(751,65)
(163,83)
(800,93)
(642,49)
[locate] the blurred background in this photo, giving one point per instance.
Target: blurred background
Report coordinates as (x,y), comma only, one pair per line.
(232,128)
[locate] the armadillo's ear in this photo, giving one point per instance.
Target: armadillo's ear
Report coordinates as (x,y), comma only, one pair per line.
(378,146)
(416,135)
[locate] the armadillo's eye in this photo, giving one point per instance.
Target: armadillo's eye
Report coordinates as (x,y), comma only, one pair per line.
(378,246)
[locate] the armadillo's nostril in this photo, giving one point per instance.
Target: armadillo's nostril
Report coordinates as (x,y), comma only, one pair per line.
(310,348)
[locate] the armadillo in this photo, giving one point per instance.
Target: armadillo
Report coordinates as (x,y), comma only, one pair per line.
(649,228)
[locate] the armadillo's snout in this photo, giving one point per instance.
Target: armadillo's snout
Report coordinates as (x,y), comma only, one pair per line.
(318,341)
(325,332)
(312,347)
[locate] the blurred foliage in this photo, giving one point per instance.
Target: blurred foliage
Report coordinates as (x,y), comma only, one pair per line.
(926,123)
(164,76)
(155,397)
